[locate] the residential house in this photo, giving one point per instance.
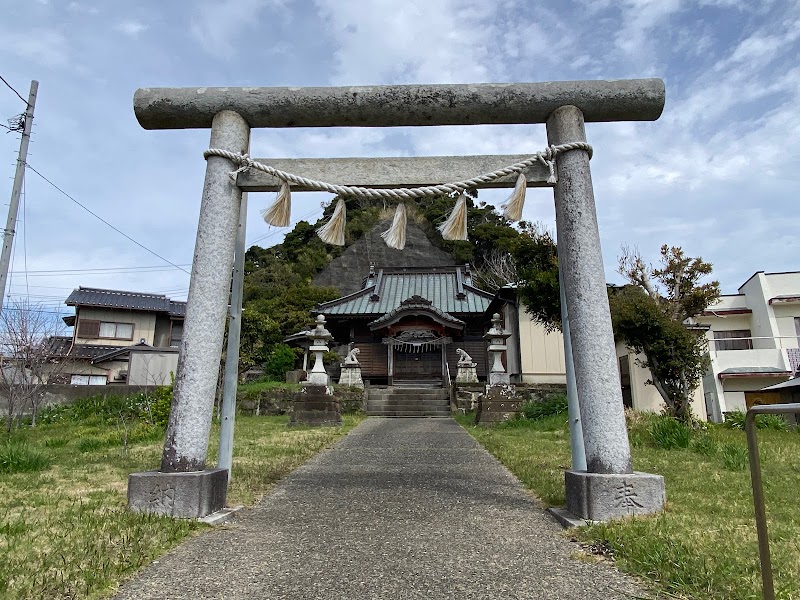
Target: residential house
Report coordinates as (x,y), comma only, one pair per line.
(121,337)
(753,338)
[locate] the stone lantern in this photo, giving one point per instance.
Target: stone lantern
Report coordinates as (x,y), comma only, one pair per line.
(315,403)
(498,402)
(319,338)
(497,336)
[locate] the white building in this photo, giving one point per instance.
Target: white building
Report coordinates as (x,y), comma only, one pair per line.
(752,340)
(752,343)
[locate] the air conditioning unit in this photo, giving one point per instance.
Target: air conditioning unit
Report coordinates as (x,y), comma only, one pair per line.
(121,376)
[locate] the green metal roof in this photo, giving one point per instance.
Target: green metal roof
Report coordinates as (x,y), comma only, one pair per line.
(448,288)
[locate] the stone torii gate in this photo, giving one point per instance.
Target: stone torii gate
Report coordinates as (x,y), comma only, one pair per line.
(609,488)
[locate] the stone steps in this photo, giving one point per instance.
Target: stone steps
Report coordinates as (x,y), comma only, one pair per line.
(407,402)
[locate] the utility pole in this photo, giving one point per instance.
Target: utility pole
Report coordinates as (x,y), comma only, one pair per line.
(19,176)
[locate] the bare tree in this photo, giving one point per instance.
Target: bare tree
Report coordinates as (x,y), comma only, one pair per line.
(497,270)
(653,316)
(30,356)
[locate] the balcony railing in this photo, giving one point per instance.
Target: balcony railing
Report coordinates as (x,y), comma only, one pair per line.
(777,352)
(782,342)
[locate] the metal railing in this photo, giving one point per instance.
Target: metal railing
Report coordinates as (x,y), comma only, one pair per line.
(758,487)
(778,339)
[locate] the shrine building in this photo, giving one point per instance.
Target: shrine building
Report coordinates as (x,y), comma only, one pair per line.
(407,323)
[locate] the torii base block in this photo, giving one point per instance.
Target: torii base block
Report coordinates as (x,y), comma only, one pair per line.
(189,495)
(605,496)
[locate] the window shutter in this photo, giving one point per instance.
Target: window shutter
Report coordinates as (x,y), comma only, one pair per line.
(88,329)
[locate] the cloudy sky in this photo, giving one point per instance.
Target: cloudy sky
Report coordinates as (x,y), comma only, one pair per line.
(718,174)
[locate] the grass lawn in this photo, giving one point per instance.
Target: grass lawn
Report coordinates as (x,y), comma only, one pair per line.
(704,545)
(64,528)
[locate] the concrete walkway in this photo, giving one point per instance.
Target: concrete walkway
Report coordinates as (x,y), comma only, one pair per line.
(400,508)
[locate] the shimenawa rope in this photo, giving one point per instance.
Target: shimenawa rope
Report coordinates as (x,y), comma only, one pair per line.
(333,231)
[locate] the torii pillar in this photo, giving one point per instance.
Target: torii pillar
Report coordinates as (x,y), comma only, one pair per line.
(609,488)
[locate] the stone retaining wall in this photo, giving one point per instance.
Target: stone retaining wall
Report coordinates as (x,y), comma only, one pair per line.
(278,401)
(467,396)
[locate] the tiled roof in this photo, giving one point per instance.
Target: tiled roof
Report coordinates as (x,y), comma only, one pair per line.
(448,288)
(62,346)
(416,305)
(118,351)
(96,297)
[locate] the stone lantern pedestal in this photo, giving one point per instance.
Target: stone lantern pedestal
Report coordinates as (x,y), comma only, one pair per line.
(498,403)
(351,371)
(315,404)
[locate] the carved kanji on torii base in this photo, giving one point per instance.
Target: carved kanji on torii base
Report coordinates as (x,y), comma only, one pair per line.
(563,106)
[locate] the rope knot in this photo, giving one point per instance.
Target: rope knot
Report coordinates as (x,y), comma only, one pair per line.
(245,164)
(548,157)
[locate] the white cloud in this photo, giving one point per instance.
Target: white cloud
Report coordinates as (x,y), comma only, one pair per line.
(219,25)
(639,18)
(41,46)
(421,41)
(131,27)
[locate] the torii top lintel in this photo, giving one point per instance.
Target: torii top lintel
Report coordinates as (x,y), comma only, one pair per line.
(401,105)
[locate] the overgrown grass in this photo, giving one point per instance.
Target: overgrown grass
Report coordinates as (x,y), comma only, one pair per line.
(704,545)
(18,457)
(65,531)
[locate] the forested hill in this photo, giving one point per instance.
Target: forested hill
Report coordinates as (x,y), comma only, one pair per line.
(284,282)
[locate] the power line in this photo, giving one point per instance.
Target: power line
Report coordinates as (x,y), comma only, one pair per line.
(271,233)
(104,270)
(104,221)
(13,90)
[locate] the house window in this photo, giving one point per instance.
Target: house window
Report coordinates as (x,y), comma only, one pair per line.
(177,334)
(105,329)
(733,340)
(797,329)
(88,380)
(625,381)
(116,331)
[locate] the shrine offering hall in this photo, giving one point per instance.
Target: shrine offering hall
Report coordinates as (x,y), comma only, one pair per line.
(408,323)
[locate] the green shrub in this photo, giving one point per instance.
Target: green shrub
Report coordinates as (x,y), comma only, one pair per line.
(555,405)
(736,418)
(775,422)
(153,407)
(18,457)
(150,407)
(668,433)
(734,457)
(280,360)
(704,444)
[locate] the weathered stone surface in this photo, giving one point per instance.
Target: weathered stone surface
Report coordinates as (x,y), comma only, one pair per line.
(346,273)
(185,495)
(400,105)
(467,374)
(315,405)
(605,496)
(351,376)
(595,358)
(498,404)
(186,442)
